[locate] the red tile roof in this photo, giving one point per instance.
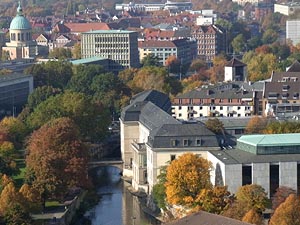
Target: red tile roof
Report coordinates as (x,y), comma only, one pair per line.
(85,27)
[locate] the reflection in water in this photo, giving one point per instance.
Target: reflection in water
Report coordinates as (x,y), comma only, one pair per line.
(116,206)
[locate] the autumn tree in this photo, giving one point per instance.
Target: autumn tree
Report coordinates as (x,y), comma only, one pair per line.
(173,64)
(17,215)
(253,197)
(57,159)
(253,217)
(8,197)
(216,72)
(215,125)
(281,195)
(256,125)
(185,178)
(31,198)
(214,200)
(288,213)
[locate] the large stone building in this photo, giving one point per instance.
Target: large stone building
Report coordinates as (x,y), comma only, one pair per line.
(286,8)
(119,46)
(184,49)
(151,138)
(14,91)
(267,160)
(21,44)
(211,41)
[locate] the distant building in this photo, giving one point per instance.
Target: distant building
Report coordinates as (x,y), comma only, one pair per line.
(243,2)
(235,70)
(262,9)
(185,50)
(148,7)
(21,44)
(267,160)
(282,93)
(286,8)
(14,91)
(119,46)
(211,40)
(293,31)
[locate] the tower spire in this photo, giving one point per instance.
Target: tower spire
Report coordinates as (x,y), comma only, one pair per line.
(19,10)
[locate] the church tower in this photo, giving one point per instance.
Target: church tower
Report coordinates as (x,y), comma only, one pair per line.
(21,44)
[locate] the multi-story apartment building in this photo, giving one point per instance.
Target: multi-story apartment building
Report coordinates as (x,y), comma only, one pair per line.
(293,31)
(282,93)
(185,50)
(211,40)
(225,100)
(119,46)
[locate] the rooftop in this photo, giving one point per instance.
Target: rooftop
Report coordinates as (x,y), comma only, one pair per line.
(10,77)
(87,60)
(110,32)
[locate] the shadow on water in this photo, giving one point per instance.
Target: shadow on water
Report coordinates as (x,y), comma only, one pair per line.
(116,206)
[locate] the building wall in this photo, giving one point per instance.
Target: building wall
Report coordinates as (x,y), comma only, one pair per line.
(120,47)
(293,31)
(129,131)
(261,175)
(233,177)
(288,174)
(163,53)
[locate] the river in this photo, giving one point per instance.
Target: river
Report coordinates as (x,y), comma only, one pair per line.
(117,206)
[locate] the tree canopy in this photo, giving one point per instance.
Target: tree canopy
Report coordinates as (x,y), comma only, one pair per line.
(185,178)
(57,159)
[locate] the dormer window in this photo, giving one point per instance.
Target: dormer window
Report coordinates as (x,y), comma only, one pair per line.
(185,142)
(174,143)
(272,95)
(285,87)
(285,95)
(295,95)
(198,142)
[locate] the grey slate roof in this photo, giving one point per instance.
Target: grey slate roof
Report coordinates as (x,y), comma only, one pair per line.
(182,136)
(234,62)
(205,218)
(295,67)
(223,91)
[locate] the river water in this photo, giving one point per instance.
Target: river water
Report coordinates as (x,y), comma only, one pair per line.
(117,206)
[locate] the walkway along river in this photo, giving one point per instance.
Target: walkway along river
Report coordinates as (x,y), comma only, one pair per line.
(117,206)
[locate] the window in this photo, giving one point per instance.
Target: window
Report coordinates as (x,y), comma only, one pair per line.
(172,157)
(179,115)
(198,142)
(179,108)
(238,107)
(185,142)
(221,107)
(173,143)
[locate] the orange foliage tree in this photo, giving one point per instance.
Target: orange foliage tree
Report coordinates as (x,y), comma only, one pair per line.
(253,217)
(288,213)
(57,159)
(186,177)
(256,125)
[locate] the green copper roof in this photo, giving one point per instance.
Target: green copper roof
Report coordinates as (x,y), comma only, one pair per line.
(271,139)
(87,60)
(20,22)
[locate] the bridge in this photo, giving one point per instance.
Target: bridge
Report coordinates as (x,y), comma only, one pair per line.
(107,162)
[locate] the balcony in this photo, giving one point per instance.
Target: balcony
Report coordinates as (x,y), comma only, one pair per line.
(140,147)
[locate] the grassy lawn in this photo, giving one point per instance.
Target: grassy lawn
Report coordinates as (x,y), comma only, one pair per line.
(51,204)
(19,179)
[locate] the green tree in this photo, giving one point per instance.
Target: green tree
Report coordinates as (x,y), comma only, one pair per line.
(238,43)
(60,53)
(57,159)
(159,189)
(270,36)
(40,94)
(150,60)
(17,215)
(185,178)
(215,125)
(53,73)
(288,213)
(76,52)
(92,118)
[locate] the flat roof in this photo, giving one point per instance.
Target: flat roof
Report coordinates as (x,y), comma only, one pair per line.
(236,156)
(88,60)
(271,139)
(13,76)
(110,32)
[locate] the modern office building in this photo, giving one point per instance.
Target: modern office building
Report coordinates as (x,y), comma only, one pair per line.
(119,46)
(184,49)
(268,160)
(293,31)
(14,91)
(21,44)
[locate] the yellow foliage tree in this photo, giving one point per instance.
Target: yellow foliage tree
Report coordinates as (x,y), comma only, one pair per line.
(8,197)
(253,217)
(31,197)
(186,177)
(288,213)
(256,125)
(6,148)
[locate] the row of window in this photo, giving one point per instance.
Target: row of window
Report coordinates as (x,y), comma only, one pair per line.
(21,37)
(186,142)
